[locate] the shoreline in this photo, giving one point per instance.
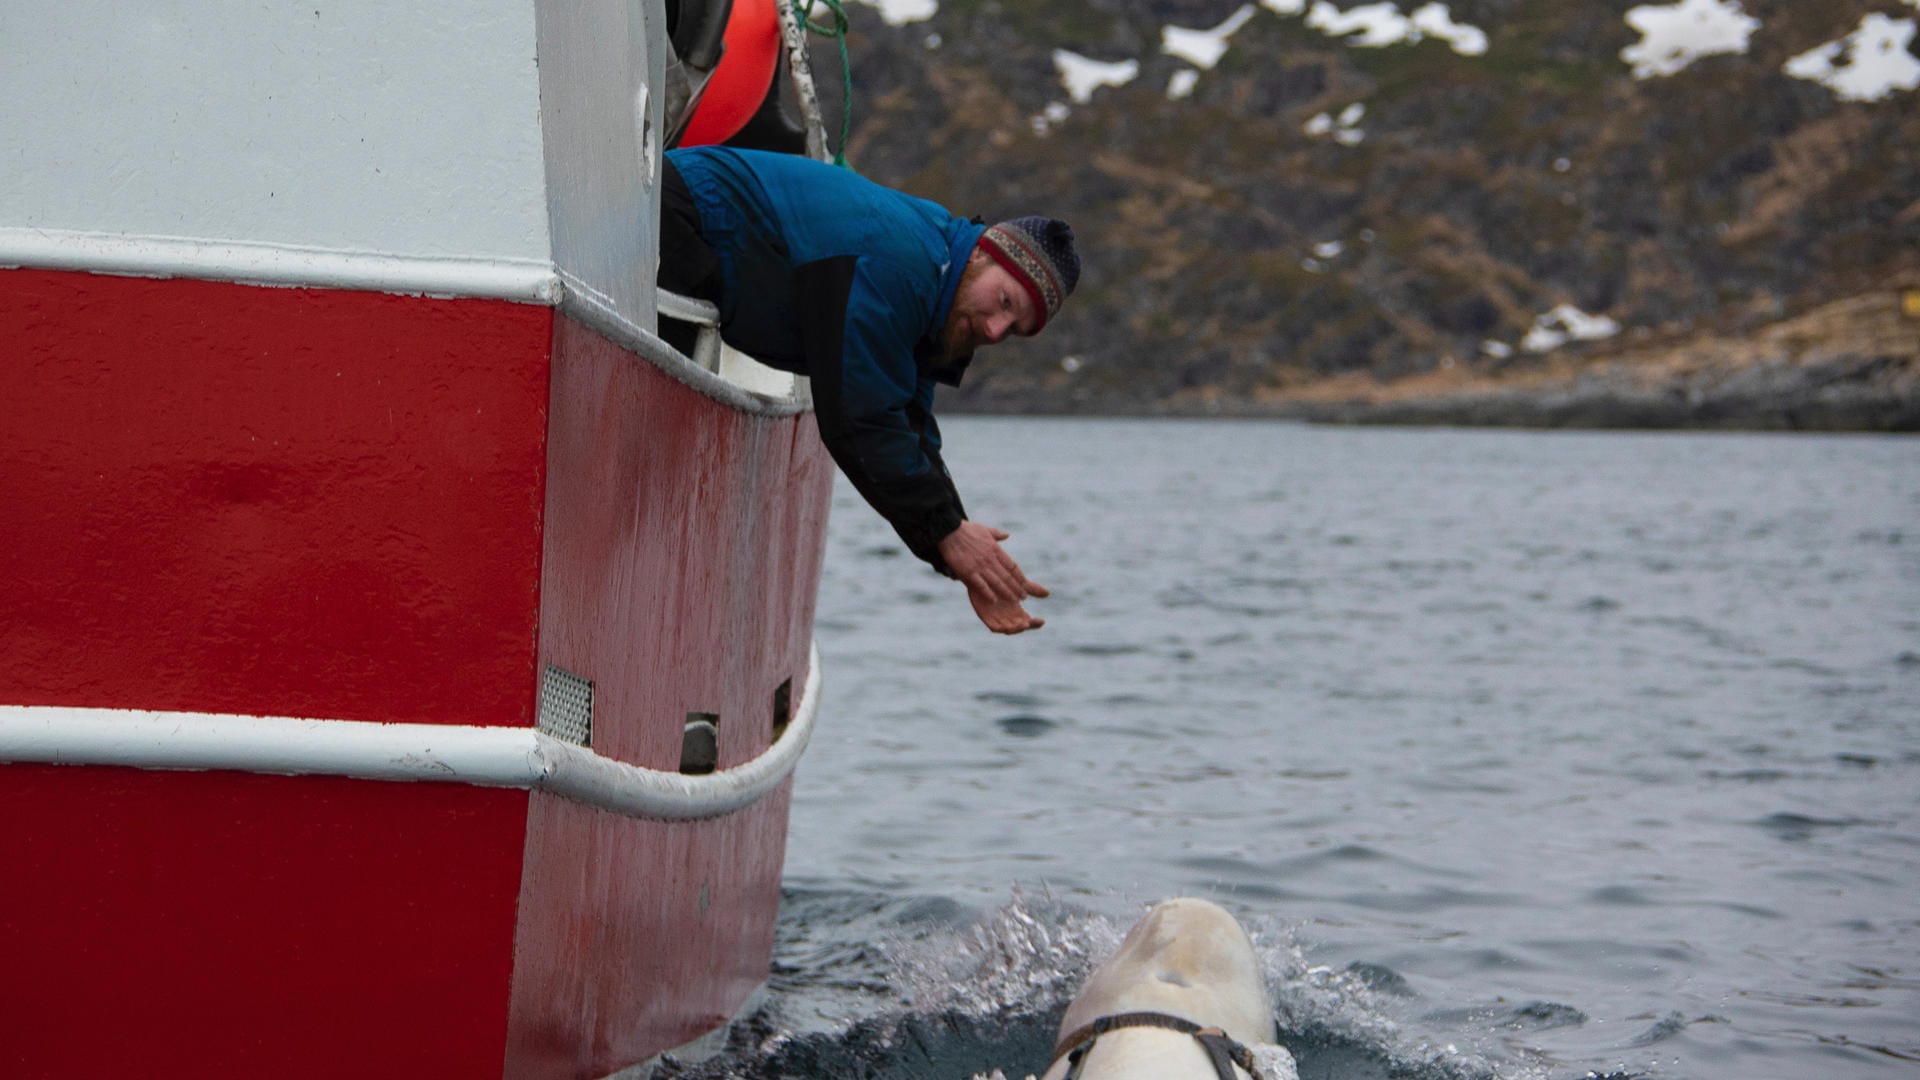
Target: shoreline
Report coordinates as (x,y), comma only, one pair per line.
(1851,365)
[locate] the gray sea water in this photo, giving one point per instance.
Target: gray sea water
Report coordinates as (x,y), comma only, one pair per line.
(1522,754)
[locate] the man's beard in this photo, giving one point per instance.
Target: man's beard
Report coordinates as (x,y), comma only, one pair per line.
(956,340)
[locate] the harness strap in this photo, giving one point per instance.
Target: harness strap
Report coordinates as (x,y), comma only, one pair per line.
(1222,1050)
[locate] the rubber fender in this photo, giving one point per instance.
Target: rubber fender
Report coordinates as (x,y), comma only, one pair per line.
(745,74)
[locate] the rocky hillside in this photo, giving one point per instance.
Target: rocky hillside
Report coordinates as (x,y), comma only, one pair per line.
(1275,213)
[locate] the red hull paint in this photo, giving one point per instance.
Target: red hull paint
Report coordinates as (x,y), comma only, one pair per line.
(223,924)
(699,531)
(220,498)
(299,502)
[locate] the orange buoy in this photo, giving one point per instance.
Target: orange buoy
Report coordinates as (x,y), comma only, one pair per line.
(744,74)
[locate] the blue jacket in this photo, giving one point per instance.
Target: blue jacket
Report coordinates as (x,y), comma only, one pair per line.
(829,275)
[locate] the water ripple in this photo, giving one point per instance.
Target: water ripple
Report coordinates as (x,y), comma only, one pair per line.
(1790,826)
(1026,726)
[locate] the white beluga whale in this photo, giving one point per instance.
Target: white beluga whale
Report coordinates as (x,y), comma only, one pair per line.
(1183,998)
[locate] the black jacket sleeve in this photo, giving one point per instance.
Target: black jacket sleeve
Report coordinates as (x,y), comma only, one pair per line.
(872,411)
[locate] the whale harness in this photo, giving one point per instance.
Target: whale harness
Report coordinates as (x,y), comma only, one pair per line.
(1222,1050)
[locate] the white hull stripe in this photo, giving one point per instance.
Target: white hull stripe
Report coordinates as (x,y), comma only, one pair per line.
(486,756)
(524,280)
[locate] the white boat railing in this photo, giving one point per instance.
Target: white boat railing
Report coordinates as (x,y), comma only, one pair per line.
(513,757)
(687,309)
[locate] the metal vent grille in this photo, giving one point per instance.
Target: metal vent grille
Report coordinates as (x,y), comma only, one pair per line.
(566,707)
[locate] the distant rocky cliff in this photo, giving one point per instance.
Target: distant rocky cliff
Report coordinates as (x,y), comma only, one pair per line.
(1274,215)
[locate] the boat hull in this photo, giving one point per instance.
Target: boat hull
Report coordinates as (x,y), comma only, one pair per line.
(230,499)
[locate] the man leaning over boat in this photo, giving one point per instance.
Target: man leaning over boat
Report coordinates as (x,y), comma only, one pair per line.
(876,296)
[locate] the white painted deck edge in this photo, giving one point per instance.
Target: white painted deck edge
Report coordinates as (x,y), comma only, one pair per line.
(528,281)
(469,754)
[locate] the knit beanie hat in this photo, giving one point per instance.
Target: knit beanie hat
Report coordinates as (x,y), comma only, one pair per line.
(1039,253)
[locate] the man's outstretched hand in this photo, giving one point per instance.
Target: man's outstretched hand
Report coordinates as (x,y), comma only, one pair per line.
(995,585)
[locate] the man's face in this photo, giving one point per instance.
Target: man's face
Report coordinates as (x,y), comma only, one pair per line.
(989,305)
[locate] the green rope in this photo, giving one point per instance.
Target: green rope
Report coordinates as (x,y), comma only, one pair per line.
(803,10)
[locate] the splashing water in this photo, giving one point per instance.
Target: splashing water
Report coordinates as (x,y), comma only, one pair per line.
(1023,957)
(985,997)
